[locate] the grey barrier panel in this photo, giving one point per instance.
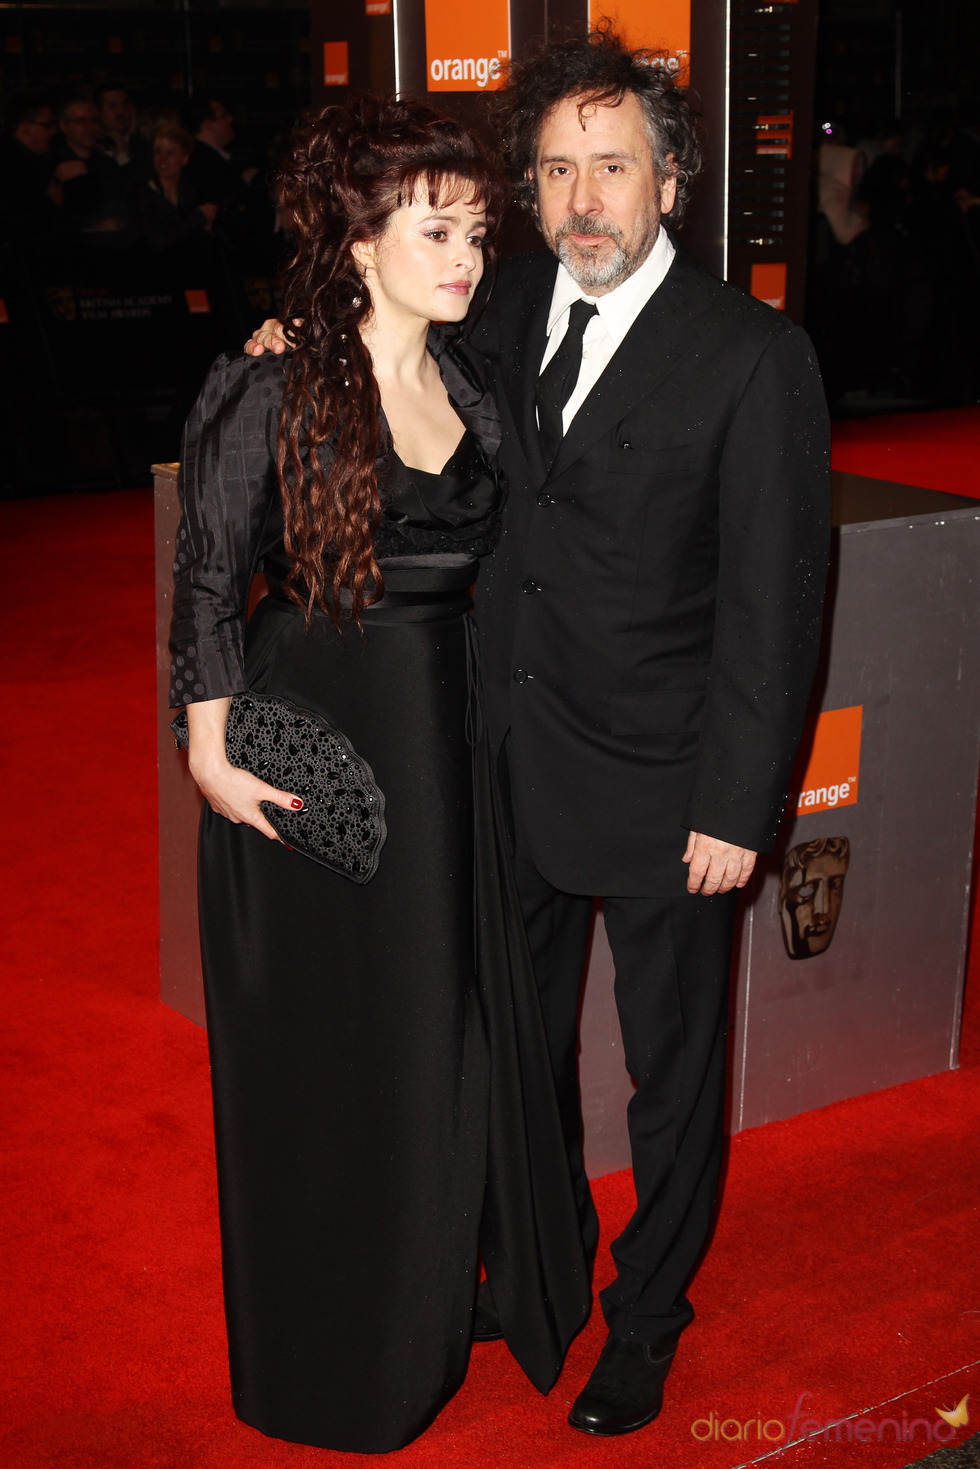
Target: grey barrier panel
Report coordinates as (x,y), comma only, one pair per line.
(879,1002)
(853,945)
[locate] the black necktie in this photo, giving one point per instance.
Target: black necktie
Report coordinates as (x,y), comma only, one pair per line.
(557,383)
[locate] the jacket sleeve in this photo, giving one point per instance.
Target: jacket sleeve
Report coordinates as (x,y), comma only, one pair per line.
(227,485)
(774,525)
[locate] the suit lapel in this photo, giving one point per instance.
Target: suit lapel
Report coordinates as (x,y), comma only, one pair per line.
(665,331)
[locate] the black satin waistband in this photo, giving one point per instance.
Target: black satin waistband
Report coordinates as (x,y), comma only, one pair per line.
(416,589)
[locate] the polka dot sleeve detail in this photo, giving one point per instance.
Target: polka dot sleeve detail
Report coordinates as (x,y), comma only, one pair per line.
(228,486)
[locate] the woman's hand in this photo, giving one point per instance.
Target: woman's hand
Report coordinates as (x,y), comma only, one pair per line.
(232,793)
(268,336)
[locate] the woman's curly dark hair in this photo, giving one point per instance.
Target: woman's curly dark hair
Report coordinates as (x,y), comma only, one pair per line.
(598,68)
(341,178)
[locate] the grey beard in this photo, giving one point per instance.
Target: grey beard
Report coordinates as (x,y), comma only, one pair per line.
(585,269)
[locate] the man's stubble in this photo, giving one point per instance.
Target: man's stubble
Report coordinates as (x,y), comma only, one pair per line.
(588,269)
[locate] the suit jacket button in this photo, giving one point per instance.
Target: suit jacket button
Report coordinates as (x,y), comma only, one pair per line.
(530,586)
(520,675)
(544,499)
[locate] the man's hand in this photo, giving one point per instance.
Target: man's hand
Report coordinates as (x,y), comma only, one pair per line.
(72,168)
(269,336)
(716,866)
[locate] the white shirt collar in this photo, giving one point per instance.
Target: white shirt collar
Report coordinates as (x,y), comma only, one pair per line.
(215,149)
(620,307)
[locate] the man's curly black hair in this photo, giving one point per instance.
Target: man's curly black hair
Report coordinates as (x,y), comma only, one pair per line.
(597,68)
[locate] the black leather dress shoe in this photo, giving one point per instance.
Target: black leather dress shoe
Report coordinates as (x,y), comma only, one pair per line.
(626,1389)
(486,1322)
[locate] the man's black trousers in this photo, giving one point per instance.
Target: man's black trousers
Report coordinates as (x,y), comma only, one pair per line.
(672,958)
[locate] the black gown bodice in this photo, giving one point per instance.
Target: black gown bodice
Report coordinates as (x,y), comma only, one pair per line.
(232,521)
(457,509)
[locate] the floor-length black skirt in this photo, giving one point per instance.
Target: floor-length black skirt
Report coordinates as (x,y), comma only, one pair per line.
(382,1096)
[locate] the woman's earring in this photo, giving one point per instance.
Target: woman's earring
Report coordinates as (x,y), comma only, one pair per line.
(357,301)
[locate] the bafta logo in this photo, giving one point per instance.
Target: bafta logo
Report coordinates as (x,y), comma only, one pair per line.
(811,890)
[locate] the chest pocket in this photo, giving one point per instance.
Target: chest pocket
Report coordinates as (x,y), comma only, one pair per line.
(623,458)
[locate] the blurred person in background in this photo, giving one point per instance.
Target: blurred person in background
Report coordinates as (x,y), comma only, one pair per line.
(899,300)
(94,201)
(839,171)
(240,189)
(943,165)
(835,288)
(119,139)
(965,153)
(30,195)
(964,177)
(214,171)
(168,210)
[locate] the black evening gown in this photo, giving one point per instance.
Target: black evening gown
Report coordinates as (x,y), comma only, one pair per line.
(382,1093)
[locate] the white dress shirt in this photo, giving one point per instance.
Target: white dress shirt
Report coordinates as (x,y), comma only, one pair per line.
(617,311)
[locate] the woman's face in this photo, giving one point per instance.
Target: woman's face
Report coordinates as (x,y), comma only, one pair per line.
(429,260)
(168,159)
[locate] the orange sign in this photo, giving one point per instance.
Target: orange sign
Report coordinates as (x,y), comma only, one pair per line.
(377,7)
(665,26)
(197,302)
(466,45)
(769,284)
(336,69)
(831,777)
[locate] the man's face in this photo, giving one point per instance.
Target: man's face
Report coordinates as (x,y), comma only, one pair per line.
(221,126)
(80,125)
(116,112)
(812,905)
(598,198)
(36,132)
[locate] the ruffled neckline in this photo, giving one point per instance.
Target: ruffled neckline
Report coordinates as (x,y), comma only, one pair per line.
(464,493)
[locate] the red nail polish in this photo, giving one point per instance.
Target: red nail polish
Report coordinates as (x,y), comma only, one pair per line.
(296,803)
(287,846)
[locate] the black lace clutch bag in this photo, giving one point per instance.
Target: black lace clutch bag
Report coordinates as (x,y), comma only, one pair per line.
(342,823)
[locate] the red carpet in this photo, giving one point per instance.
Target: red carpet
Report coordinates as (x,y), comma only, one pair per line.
(845,1265)
(938,451)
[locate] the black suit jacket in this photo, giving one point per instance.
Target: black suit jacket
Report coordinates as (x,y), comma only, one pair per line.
(215,179)
(651,617)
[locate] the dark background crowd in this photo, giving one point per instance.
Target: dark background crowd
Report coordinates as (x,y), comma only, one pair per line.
(894,259)
(894,263)
(120,224)
(138,236)
(88,165)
